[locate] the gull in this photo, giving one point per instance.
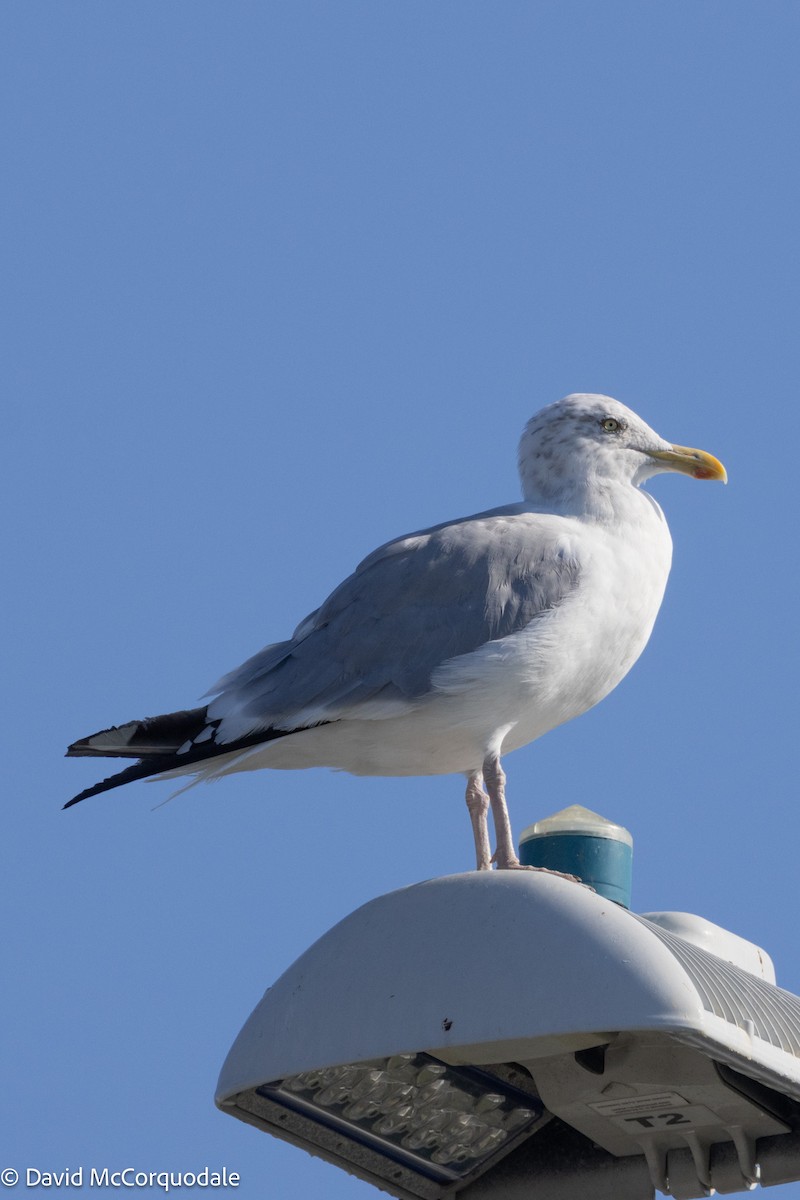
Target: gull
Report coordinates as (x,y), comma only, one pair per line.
(452,646)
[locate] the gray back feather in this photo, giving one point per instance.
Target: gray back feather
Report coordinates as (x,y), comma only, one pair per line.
(410,606)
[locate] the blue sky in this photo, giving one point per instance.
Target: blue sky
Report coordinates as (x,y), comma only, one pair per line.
(283,281)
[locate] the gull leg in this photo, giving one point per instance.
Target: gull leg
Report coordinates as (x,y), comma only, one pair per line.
(478,805)
(495,778)
(505,855)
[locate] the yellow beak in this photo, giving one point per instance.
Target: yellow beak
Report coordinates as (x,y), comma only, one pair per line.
(692,462)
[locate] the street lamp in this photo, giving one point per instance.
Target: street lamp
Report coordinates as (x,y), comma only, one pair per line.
(515,1034)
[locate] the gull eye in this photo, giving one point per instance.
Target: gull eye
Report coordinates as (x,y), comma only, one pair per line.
(611,424)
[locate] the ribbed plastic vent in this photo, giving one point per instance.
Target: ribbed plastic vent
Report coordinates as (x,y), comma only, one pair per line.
(768,1012)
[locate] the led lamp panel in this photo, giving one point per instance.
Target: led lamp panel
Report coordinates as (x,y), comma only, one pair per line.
(416,1123)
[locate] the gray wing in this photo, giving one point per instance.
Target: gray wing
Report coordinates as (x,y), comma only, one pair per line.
(409,607)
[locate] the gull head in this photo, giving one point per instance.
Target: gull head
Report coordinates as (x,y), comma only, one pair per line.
(592,442)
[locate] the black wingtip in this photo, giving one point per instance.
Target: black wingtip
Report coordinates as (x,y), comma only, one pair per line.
(157,764)
(139,770)
(75,800)
(161,735)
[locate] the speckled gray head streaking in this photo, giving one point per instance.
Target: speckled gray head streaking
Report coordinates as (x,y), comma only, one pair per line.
(572,443)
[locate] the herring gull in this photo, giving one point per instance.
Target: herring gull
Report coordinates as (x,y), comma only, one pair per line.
(451,646)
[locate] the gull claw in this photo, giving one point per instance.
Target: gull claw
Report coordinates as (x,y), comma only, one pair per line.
(516,865)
